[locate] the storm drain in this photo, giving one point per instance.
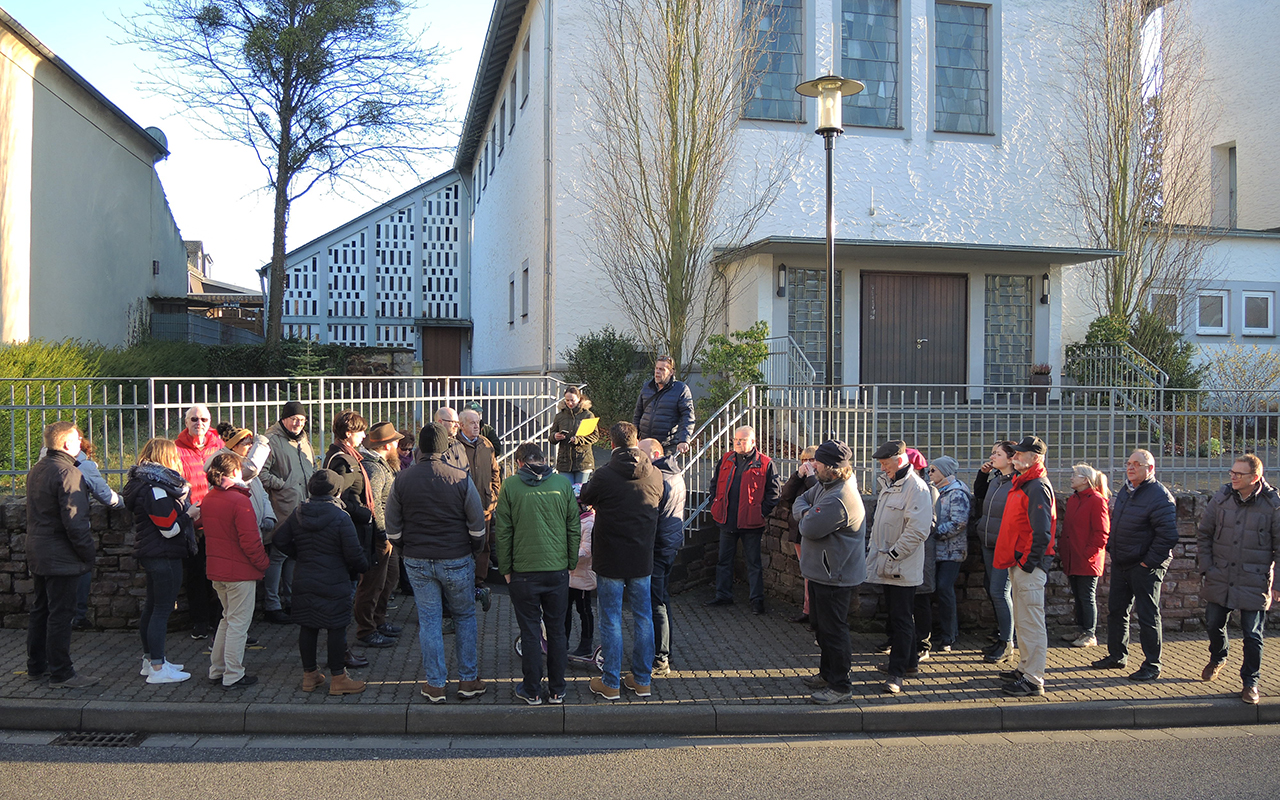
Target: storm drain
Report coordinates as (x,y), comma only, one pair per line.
(98,739)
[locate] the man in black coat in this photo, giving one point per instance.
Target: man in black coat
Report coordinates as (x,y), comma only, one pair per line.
(664,409)
(1144,529)
(59,550)
(626,494)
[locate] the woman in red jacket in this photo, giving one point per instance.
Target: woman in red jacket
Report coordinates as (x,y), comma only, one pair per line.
(1082,545)
(236,563)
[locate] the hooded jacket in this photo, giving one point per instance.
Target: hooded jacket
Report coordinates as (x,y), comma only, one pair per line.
(626,494)
(1239,546)
(59,541)
(232,542)
(574,453)
(288,467)
(157,497)
(902,522)
(832,524)
(1029,522)
(536,523)
(951,510)
(664,413)
(671,508)
(321,536)
(262,509)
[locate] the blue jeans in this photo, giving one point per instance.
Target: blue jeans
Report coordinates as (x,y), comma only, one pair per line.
(610,591)
(945,591)
(581,476)
(1084,588)
(1251,625)
(750,554)
(277,584)
(1135,588)
(164,579)
(454,579)
(537,598)
(1001,595)
(664,558)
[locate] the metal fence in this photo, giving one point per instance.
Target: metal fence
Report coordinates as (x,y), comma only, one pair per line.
(119,415)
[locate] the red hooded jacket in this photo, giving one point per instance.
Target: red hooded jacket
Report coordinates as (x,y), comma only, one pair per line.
(1028,524)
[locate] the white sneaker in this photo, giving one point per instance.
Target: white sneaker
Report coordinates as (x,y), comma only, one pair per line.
(1085,641)
(169,673)
(146,666)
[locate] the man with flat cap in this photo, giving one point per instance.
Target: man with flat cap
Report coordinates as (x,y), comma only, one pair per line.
(832,558)
(1025,548)
(901,524)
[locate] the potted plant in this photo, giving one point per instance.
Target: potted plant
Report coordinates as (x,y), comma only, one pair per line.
(1041,380)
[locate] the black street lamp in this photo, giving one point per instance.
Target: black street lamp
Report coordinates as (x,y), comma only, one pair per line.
(830,89)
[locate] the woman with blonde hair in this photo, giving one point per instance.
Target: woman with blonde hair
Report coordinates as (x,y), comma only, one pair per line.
(1082,542)
(164,534)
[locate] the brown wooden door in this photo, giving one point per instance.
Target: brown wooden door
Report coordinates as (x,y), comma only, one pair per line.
(442,350)
(914,329)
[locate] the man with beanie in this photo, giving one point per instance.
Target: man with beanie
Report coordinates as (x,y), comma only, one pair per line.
(289,465)
(951,543)
(832,558)
(626,493)
(745,490)
(434,511)
(901,525)
(1025,548)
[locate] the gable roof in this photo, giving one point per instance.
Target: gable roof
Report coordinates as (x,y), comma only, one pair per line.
(504,26)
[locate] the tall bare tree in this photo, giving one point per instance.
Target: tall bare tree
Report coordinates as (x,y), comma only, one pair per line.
(1135,152)
(669,197)
(322,90)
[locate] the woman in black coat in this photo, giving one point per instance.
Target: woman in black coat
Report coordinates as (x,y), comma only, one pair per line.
(322,538)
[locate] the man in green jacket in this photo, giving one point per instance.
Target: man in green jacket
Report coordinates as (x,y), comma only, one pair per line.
(537,530)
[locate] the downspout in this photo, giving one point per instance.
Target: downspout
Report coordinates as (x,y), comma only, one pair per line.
(547,272)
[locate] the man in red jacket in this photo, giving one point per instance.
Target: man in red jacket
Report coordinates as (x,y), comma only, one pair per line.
(746,491)
(196,444)
(1025,548)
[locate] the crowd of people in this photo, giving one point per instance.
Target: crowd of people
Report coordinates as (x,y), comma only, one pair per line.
(225,511)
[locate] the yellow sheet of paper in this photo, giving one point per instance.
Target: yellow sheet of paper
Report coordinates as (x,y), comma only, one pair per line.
(587,426)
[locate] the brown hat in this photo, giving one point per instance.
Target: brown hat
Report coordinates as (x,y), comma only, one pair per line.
(890,449)
(382,433)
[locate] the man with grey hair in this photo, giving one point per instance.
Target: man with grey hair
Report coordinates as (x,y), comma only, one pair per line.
(1144,529)
(745,491)
(455,456)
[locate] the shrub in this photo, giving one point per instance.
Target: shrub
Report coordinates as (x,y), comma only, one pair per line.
(72,360)
(605,361)
(1168,350)
(735,361)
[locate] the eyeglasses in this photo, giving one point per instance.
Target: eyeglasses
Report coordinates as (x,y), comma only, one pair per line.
(1235,474)
(197,419)
(1135,463)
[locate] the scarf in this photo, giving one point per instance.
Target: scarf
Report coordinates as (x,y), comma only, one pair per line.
(368,485)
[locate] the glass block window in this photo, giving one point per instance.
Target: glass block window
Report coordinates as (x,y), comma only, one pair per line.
(393,256)
(962,82)
(441,265)
(780,63)
(1008,333)
(870,53)
(807,319)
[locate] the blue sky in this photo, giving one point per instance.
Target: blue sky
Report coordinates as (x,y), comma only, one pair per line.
(212,186)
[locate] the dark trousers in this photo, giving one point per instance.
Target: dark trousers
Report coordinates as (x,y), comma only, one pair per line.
(538,597)
(1252,623)
(164,579)
(308,638)
(829,612)
(388,586)
(368,590)
(1135,588)
(202,604)
(664,558)
(900,601)
(49,626)
(580,599)
(750,554)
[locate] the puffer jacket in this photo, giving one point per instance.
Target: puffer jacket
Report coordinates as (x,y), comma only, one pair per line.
(626,494)
(1082,540)
(951,533)
(671,510)
(232,542)
(1144,525)
(1239,546)
(990,493)
(321,536)
(262,508)
(193,458)
(832,524)
(536,524)
(285,473)
(901,525)
(574,453)
(157,497)
(665,414)
(1029,523)
(59,541)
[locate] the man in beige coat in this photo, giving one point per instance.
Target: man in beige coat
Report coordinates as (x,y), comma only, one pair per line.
(903,517)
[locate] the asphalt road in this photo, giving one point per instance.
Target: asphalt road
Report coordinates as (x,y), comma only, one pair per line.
(1126,765)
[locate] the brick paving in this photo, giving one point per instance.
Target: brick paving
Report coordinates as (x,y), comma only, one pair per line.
(724,656)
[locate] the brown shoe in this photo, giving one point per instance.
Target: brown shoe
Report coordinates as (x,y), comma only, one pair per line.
(641,689)
(343,683)
(1211,670)
(1250,695)
(597,686)
(433,693)
(469,689)
(312,680)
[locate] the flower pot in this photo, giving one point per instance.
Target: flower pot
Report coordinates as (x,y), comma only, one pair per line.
(1040,388)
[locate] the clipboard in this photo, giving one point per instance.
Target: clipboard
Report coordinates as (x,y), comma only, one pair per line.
(587,426)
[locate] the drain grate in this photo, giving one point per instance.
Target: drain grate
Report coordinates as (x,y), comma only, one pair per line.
(98,739)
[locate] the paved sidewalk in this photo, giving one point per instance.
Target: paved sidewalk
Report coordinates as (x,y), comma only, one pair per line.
(733,673)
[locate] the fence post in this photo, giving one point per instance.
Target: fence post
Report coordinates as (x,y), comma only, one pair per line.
(151,408)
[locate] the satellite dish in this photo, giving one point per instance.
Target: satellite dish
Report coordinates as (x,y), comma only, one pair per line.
(158,135)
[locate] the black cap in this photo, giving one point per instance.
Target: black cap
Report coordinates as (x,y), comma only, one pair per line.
(323,483)
(434,438)
(292,409)
(1031,444)
(891,448)
(833,453)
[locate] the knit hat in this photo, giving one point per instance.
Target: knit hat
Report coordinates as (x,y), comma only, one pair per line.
(323,483)
(382,433)
(292,409)
(236,436)
(946,465)
(833,453)
(434,438)
(891,448)
(917,460)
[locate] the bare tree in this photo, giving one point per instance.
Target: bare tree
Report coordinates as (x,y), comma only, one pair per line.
(320,89)
(669,197)
(1134,153)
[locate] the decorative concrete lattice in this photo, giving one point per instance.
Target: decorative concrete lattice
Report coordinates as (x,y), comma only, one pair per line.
(394,248)
(302,288)
(441,255)
(347,287)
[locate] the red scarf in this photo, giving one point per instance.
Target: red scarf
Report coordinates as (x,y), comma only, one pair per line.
(368,487)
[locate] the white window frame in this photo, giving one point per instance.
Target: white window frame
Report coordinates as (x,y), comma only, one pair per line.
(1270,297)
(1177,306)
(1203,330)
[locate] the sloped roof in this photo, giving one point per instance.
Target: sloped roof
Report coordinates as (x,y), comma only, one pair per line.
(504,26)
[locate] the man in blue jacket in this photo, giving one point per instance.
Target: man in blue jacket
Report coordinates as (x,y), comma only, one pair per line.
(665,546)
(1144,529)
(664,409)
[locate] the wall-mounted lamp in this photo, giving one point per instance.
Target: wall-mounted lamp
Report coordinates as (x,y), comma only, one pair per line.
(782,280)
(1044,290)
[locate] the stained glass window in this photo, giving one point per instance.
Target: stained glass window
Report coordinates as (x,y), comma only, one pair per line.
(870,53)
(963,79)
(780,63)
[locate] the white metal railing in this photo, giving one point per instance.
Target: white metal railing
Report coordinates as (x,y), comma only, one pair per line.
(787,365)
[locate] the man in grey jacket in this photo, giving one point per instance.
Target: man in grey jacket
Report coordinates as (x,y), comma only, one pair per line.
(832,547)
(290,464)
(1239,545)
